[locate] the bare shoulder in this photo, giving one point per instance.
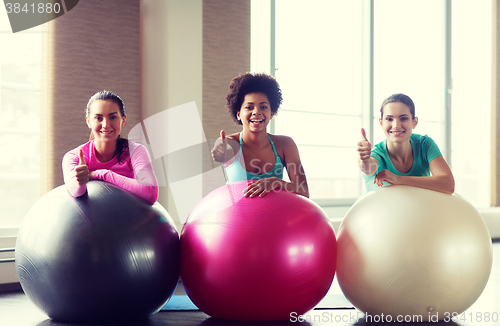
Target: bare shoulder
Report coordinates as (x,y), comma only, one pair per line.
(283,142)
(233,140)
(235,136)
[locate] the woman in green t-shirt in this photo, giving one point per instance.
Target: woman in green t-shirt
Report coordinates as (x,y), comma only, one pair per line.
(403,158)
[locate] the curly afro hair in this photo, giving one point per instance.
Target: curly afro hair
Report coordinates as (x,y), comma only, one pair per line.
(252,83)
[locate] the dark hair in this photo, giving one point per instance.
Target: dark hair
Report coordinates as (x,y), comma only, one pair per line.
(121,143)
(252,83)
(402,98)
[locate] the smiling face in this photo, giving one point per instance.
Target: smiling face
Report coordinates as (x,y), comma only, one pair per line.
(255,112)
(397,122)
(105,120)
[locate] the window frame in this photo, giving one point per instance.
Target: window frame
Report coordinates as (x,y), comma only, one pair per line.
(368,107)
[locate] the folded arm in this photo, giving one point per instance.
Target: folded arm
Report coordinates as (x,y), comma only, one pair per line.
(144,183)
(441,180)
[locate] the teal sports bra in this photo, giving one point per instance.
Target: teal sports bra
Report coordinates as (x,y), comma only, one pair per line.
(236,172)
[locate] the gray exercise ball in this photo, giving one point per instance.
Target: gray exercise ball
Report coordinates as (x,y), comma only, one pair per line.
(105,257)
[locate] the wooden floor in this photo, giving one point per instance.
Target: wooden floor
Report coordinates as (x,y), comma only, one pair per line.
(17,310)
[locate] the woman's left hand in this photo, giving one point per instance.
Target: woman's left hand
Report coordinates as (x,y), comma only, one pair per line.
(262,186)
(385,176)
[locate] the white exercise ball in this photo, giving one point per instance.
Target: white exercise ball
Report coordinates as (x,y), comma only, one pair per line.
(407,251)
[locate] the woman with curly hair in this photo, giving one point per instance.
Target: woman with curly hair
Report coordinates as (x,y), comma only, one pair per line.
(253,154)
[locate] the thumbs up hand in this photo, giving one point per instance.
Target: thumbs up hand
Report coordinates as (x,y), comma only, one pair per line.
(364,147)
(81,170)
(219,150)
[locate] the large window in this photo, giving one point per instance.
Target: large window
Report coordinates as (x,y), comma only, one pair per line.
(19,122)
(321,76)
(409,58)
(336,61)
(471,100)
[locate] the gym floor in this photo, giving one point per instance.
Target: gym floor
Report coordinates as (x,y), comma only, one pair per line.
(17,310)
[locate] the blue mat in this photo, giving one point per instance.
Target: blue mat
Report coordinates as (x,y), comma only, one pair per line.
(332,301)
(180,302)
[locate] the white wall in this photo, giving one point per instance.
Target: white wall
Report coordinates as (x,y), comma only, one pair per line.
(172,55)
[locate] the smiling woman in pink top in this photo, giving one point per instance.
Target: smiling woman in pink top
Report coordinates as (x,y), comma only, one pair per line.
(107,156)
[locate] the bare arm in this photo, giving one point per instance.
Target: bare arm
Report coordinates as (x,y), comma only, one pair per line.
(221,152)
(367,164)
(441,180)
(296,174)
(295,170)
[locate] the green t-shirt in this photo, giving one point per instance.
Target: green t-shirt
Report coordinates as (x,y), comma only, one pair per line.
(424,151)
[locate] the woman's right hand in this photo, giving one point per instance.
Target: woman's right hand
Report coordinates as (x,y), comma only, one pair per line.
(367,163)
(81,170)
(364,147)
(219,150)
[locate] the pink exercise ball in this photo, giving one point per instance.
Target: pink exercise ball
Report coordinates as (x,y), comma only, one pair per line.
(256,259)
